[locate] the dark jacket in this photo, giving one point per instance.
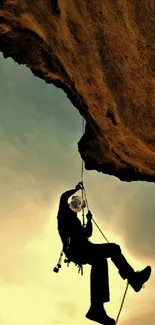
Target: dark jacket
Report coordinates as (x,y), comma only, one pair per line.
(69,226)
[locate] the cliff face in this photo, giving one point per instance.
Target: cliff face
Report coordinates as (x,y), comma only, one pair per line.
(102,54)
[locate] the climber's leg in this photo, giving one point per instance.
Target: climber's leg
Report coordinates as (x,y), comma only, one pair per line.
(114,252)
(99,283)
(99,292)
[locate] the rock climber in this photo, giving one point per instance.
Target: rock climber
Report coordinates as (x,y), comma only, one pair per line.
(80,250)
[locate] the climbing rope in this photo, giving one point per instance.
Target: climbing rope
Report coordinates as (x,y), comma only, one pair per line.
(82,177)
(84,192)
(122,302)
(85,197)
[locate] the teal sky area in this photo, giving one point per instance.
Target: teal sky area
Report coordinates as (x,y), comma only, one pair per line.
(39,159)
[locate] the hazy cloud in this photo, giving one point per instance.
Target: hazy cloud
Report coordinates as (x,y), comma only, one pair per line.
(142,319)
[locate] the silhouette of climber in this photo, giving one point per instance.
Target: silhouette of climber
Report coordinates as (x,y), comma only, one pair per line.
(80,250)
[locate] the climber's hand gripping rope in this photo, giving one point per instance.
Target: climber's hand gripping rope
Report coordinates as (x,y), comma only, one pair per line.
(89,215)
(79,186)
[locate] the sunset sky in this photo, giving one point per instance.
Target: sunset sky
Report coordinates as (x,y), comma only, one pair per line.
(39,159)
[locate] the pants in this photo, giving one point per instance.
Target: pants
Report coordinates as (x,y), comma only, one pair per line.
(97,255)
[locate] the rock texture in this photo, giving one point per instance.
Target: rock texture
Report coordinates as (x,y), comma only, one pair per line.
(102,54)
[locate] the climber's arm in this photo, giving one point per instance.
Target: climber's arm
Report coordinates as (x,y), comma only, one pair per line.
(66,195)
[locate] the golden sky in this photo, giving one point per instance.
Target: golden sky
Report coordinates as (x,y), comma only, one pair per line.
(39,131)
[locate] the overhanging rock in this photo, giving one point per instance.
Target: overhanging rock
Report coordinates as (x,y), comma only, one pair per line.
(102,54)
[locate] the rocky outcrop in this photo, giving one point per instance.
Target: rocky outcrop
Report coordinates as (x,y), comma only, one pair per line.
(102,54)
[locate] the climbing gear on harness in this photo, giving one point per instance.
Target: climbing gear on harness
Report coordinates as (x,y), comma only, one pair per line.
(58,266)
(66,261)
(80,266)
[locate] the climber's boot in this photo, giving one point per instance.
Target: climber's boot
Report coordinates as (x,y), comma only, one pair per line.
(99,316)
(138,279)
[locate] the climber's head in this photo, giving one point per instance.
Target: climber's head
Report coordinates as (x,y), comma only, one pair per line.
(77,203)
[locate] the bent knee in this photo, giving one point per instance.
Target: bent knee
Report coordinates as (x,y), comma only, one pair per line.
(116,249)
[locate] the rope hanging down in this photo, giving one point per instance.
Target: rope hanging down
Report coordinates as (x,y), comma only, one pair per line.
(85,197)
(84,192)
(82,176)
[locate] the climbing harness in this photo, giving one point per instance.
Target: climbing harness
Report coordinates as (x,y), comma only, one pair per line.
(80,266)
